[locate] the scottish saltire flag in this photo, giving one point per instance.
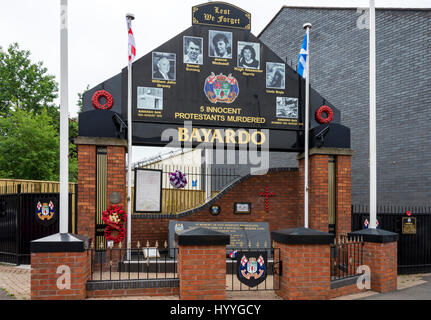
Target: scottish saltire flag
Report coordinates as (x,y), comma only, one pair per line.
(132,47)
(302,60)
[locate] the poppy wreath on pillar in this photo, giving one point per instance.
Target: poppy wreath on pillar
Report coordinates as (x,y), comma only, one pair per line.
(96,100)
(115,218)
(177,179)
(329,115)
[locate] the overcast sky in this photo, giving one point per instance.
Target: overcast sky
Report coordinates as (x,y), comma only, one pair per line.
(98,35)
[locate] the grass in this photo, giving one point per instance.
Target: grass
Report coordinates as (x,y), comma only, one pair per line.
(8,293)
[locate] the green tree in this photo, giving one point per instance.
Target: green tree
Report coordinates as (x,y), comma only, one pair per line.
(25,85)
(79,103)
(29,146)
(73,150)
(30,120)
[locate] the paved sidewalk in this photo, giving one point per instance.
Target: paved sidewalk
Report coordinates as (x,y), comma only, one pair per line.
(4,295)
(410,287)
(16,280)
(421,291)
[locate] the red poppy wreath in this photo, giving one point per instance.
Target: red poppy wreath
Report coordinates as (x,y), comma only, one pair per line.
(115,218)
(329,113)
(96,100)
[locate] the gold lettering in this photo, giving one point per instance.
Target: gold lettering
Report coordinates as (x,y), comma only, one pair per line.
(206,133)
(217,135)
(183,134)
(196,134)
(241,134)
(230,136)
(262,138)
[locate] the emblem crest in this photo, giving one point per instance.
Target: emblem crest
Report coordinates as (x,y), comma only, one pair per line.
(251,267)
(221,88)
(179,227)
(45,212)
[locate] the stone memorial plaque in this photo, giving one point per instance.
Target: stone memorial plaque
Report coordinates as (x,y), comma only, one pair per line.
(115,197)
(241,233)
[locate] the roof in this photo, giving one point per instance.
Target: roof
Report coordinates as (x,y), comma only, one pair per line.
(335,8)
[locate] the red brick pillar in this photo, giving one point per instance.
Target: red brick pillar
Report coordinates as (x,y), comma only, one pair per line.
(60,267)
(116,178)
(319,188)
(380,255)
(305,257)
(202,264)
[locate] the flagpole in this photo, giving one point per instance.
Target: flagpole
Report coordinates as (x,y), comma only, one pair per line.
(64,121)
(307,27)
(373,148)
(129,17)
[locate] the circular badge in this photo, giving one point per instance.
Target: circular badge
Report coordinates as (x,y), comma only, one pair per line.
(46,212)
(115,197)
(215,210)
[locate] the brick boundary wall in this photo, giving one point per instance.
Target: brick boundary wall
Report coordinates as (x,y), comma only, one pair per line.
(305,255)
(282,207)
(50,253)
(382,260)
(285,208)
(202,272)
(202,264)
(380,255)
(306,273)
(44,275)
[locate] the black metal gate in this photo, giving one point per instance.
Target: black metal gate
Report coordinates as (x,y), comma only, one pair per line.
(19,226)
(414,250)
(273,267)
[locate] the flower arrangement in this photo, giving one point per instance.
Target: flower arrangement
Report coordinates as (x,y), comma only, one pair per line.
(178,179)
(115,218)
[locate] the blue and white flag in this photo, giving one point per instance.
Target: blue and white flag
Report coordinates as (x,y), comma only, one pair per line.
(302,60)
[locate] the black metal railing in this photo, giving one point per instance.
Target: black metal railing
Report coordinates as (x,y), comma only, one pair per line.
(15,258)
(414,248)
(200,184)
(274,270)
(19,226)
(120,264)
(346,257)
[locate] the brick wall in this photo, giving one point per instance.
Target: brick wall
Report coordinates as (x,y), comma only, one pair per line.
(116,178)
(306,274)
(86,190)
(318,193)
(344,196)
(382,260)
(44,275)
(283,207)
(202,272)
(116,182)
